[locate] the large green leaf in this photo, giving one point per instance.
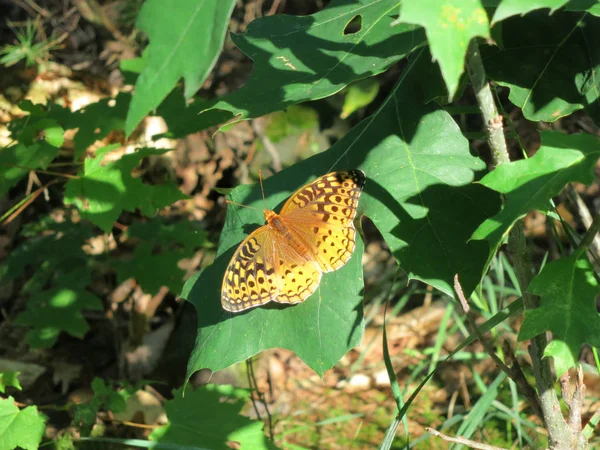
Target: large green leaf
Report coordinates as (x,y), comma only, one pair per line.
(297,59)
(529,184)
(202,418)
(186,37)
(549,63)
(450,25)
(568,290)
(20,428)
(102,192)
(418,193)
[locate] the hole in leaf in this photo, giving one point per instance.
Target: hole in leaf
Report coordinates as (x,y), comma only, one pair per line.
(354,26)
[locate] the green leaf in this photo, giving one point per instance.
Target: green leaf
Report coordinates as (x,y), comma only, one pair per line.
(529,184)
(568,290)
(97,120)
(56,255)
(20,428)
(359,95)
(202,418)
(450,25)
(182,234)
(419,194)
(301,58)
(156,258)
(38,125)
(18,160)
(186,37)
(102,192)
(9,379)
(508,8)
(152,270)
(106,396)
(56,310)
(557,81)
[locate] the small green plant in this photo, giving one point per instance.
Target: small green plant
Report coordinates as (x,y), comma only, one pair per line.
(30,46)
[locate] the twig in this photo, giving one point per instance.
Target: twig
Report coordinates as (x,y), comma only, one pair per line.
(462,440)
(591,233)
(13,213)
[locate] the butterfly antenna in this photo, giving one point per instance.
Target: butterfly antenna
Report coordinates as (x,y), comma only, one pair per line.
(262,189)
(240,205)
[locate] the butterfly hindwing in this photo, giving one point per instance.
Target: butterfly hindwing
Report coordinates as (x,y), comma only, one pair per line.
(250,276)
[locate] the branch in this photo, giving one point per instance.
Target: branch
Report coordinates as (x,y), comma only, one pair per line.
(462,440)
(485,99)
(559,433)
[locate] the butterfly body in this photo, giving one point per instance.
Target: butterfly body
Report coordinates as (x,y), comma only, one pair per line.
(283,260)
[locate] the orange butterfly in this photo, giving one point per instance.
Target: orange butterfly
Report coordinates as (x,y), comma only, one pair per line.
(283,260)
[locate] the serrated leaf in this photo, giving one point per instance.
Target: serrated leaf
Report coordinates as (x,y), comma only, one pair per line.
(38,125)
(567,290)
(450,25)
(18,160)
(185,43)
(20,428)
(10,379)
(201,418)
(553,82)
(529,184)
(56,310)
(419,195)
(301,58)
(106,396)
(102,192)
(508,8)
(96,120)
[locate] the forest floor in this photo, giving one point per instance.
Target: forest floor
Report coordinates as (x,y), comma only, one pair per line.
(150,338)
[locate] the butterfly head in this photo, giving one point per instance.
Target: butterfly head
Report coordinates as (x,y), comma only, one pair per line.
(269,215)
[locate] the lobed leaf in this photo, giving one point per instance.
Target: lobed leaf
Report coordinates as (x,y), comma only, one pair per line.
(450,25)
(103,192)
(529,184)
(508,8)
(201,417)
(301,58)
(186,37)
(549,64)
(567,289)
(20,428)
(56,310)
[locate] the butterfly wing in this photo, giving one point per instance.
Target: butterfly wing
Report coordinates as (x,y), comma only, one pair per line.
(321,215)
(298,277)
(250,276)
(330,199)
(265,268)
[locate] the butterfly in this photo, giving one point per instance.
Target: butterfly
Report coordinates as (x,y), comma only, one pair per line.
(283,260)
